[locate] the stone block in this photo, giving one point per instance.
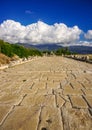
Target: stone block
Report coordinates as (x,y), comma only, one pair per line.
(68,90)
(50,119)
(88,91)
(59,101)
(76,85)
(22,118)
(4,109)
(89,100)
(88,85)
(78,102)
(9,99)
(39,100)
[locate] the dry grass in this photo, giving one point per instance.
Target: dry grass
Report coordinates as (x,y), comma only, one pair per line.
(14,58)
(4,59)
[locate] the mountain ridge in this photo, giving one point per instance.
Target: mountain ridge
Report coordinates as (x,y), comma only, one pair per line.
(80,49)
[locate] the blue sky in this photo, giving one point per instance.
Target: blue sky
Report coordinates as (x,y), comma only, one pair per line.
(70,12)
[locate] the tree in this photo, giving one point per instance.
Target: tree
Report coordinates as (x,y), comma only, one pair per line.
(63,51)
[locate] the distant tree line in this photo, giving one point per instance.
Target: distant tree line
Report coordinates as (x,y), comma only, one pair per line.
(58,52)
(63,51)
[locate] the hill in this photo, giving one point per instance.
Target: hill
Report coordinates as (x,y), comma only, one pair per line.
(14,49)
(81,49)
(51,47)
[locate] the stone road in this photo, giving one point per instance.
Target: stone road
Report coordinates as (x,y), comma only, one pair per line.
(48,93)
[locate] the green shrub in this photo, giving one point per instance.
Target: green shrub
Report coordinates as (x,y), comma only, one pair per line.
(11,49)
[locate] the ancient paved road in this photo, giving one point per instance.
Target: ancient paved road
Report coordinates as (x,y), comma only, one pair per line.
(48,93)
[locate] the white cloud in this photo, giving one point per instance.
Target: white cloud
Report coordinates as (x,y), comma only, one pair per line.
(12,31)
(38,33)
(88,35)
(28,12)
(85,43)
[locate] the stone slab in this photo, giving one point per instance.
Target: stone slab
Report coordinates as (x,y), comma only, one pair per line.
(76,84)
(22,118)
(50,119)
(88,86)
(39,100)
(78,102)
(40,85)
(53,85)
(9,99)
(89,100)
(88,91)
(4,109)
(76,119)
(60,101)
(71,91)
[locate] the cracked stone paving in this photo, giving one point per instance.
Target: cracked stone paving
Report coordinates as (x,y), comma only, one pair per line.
(47,93)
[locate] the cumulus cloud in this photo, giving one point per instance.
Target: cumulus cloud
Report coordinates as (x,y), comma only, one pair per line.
(38,33)
(88,35)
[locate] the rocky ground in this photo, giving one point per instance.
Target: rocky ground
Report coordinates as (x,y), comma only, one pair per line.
(48,93)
